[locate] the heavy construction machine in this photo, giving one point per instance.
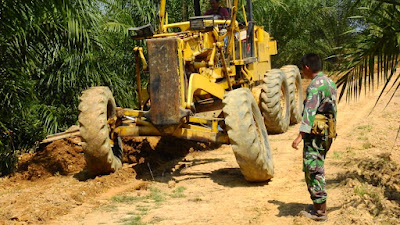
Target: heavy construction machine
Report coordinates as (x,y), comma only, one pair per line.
(210,79)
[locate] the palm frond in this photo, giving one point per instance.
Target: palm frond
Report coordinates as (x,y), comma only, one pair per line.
(374,56)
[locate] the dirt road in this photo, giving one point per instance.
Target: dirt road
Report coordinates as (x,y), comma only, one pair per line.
(202,184)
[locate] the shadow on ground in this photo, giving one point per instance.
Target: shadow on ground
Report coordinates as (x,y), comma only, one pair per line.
(232,177)
(293,208)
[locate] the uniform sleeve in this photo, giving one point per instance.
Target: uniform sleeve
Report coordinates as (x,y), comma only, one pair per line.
(310,109)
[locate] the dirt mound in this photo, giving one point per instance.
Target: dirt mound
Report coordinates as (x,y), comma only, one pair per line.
(382,172)
(66,157)
(376,185)
(61,157)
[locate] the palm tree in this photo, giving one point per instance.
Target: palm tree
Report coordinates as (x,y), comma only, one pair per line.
(374,56)
(305,26)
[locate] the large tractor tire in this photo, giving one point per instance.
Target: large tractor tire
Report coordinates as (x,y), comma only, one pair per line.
(296,92)
(248,135)
(274,102)
(96,106)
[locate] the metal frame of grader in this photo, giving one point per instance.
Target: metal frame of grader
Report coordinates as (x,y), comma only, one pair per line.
(195,48)
(210,80)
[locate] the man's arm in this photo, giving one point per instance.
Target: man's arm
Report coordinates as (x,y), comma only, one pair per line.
(309,112)
(297,141)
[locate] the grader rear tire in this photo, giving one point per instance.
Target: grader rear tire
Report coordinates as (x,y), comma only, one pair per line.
(274,102)
(248,135)
(296,92)
(96,106)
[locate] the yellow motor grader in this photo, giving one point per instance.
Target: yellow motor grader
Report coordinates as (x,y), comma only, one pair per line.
(210,80)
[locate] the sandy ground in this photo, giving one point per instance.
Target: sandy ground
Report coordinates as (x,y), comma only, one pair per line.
(202,184)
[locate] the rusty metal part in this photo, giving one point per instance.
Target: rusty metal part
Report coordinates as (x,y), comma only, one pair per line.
(71,132)
(165,82)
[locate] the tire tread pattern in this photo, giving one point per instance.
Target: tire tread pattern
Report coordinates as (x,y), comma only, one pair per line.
(270,101)
(294,79)
(96,105)
(248,135)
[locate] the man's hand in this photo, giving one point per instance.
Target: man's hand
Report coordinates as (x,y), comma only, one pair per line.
(297,141)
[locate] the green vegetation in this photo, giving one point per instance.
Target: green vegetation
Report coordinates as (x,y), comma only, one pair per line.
(51,50)
(372,56)
(133,220)
(156,195)
(126,199)
(367,145)
(365,127)
(178,192)
(372,194)
(337,155)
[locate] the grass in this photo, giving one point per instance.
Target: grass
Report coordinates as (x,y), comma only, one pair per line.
(178,192)
(156,195)
(133,220)
(367,145)
(362,138)
(368,193)
(337,155)
(126,199)
(108,208)
(367,128)
(142,209)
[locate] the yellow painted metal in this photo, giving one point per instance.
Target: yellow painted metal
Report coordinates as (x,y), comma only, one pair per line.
(212,57)
(232,29)
(214,127)
(133,113)
(197,128)
(245,16)
(198,135)
(181,72)
(161,16)
(198,120)
(199,82)
(139,50)
(190,132)
(133,130)
(165,35)
(205,68)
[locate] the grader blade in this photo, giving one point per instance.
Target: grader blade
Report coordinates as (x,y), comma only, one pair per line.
(73,131)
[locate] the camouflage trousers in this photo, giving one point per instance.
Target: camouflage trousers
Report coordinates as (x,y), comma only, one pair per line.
(314,152)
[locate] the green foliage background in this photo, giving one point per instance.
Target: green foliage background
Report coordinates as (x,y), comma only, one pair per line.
(51,50)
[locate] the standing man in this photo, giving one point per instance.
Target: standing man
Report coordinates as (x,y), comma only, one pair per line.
(217,11)
(317,129)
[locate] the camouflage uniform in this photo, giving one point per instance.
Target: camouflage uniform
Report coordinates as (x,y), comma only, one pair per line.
(320,99)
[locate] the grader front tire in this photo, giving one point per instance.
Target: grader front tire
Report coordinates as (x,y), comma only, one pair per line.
(248,135)
(96,106)
(274,102)
(296,92)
